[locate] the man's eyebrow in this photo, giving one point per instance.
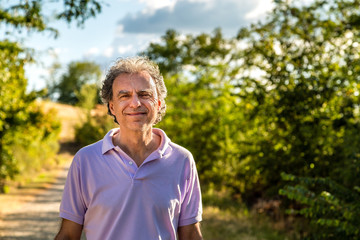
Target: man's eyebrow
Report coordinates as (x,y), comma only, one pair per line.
(122,92)
(144,91)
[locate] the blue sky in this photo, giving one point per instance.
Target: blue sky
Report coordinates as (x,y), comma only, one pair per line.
(126,27)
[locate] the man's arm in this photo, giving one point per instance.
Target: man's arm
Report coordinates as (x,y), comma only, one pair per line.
(69,231)
(190,232)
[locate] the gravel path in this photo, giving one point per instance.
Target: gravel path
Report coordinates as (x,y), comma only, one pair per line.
(35,219)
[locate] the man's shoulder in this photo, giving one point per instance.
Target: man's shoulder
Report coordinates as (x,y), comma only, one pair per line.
(180,150)
(90,150)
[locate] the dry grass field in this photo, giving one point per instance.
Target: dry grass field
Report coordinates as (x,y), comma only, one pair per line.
(69,117)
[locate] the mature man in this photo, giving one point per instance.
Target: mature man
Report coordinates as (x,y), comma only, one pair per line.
(134,184)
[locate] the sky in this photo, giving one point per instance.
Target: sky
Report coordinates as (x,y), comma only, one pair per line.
(126,27)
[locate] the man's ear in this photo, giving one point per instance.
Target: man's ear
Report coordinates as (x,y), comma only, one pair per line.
(111,107)
(159,104)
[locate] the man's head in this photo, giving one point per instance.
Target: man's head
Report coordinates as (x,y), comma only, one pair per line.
(134,65)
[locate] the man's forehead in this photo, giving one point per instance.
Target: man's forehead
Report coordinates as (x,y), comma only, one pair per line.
(138,82)
(136,76)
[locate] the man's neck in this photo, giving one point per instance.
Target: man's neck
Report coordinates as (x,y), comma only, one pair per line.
(137,144)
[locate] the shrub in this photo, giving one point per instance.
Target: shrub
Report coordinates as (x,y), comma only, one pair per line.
(333,210)
(94,129)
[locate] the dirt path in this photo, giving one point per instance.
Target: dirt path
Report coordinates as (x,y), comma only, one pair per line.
(36,218)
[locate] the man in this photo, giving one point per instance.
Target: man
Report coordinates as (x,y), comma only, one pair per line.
(135,184)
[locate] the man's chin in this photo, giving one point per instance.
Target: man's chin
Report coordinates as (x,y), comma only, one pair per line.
(138,126)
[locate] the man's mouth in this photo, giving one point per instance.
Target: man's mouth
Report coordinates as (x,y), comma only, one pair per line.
(136,113)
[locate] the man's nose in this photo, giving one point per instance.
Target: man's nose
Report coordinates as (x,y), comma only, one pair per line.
(135,101)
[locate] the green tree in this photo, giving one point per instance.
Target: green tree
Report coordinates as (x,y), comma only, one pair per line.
(67,89)
(30,15)
(88,96)
(299,78)
(13,103)
(304,95)
(20,121)
(200,104)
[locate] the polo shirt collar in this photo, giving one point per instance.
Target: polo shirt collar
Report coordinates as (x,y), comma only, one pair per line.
(164,147)
(107,143)
(162,150)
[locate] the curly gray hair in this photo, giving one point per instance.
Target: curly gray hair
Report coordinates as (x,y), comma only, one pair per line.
(134,65)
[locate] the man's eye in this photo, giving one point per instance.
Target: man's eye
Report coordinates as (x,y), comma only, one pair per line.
(145,95)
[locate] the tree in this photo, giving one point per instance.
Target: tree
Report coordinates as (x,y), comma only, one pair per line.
(13,105)
(305,94)
(200,101)
(299,76)
(30,15)
(68,88)
(20,121)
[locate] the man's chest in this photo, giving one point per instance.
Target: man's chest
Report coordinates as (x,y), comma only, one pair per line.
(113,189)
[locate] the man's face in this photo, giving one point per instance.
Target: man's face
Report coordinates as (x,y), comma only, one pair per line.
(135,102)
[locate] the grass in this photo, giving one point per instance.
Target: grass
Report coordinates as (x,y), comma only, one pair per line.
(226,224)
(70,116)
(228,219)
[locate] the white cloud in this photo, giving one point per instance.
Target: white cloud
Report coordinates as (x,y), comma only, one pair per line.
(125,49)
(92,51)
(156,4)
(261,9)
(108,52)
(193,16)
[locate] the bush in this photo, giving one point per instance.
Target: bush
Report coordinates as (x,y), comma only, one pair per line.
(28,137)
(94,129)
(333,209)
(37,143)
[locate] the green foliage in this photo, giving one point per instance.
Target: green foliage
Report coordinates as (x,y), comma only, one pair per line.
(13,104)
(29,15)
(200,105)
(36,142)
(303,94)
(28,137)
(88,96)
(333,209)
(177,53)
(93,129)
(73,84)
(303,113)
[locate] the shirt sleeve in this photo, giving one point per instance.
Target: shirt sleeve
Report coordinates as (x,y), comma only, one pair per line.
(191,208)
(72,205)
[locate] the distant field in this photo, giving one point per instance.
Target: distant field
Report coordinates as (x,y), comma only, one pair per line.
(70,117)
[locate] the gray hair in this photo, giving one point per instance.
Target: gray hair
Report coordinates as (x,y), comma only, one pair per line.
(134,65)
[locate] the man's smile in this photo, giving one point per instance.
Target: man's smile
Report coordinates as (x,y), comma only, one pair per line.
(135,113)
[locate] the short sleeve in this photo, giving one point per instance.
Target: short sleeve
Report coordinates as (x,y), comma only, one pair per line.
(191,208)
(72,205)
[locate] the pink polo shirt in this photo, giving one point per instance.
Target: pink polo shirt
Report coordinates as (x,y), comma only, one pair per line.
(112,198)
